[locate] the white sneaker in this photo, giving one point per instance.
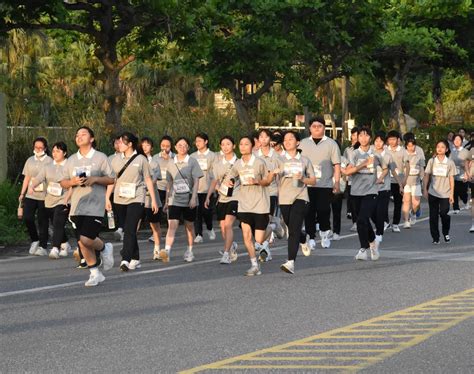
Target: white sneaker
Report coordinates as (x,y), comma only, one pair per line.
(135,264)
(279,230)
(378,238)
(94,280)
(472,228)
(305,249)
(233,252)
(124,265)
(264,254)
(288,267)
(107,256)
(456,211)
(188,256)
(336,237)
(34,247)
(254,270)
(362,255)
(165,255)
(407,225)
(386,226)
(395,228)
(41,252)
(413,219)
(198,239)
(156,254)
(151,239)
(66,247)
(63,253)
(54,253)
(374,250)
(317,227)
(354,227)
(211,233)
(312,244)
(325,241)
(118,234)
(225,260)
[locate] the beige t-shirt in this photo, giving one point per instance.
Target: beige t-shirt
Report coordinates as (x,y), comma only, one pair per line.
(205,161)
(287,191)
(271,161)
(163,165)
(399,161)
(251,198)
(323,156)
(32,168)
(130,187)
(52,175)
(88,200)
(221,172)
(181,174)
(440,172)
(459,157)
(155,176)
(417,164)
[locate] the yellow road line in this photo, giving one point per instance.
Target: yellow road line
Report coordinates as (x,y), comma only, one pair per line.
(348,347)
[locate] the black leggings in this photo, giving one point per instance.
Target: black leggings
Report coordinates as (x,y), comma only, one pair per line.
(460,192)
(397,203)
(294,216)
(381,211)
(365,206)
(133,215)
(203,214)
(30,208)
(320,206)
(336,208)
(439,208)
(350,204)
(58,215)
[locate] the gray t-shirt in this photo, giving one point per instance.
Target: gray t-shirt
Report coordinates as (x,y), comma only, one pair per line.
(130,187)
(155,177)
(417,164)
(472,164)
(221,172)
(163,164)
(181,174)
(31,169)
(459,157)
(399,161)
(364,181)
(348,152)
(323,157)
(252,198)
(271,162)
(440,171)
(88,200)
(52,174)
(385,159)
(287,191)
(205,161)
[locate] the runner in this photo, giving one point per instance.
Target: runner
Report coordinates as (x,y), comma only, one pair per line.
(401,164)
(33,201)
(119,212)
(325,156)
(459,155)
(362,166)
(438,188)
(254,200)
(471,184)
(296,173)
(227,198)
(133,180)
(348,152)
(183,175)
(57,199)
(88,172)
(412,190)
(205,157)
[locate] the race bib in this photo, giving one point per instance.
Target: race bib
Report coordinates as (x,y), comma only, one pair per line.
(127,190)
(39,188)
(317,171)
(379,172)
(414,171)
(202,163)
(440,170)
(180,186)
(292,168)
(245,176)
(223,189)
(54,189)
(78,170)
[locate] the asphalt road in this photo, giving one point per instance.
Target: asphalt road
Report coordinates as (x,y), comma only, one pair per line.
(168,318)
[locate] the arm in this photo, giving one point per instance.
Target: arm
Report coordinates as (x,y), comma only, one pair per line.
(212,188)
(194,198)
(451,186)
(351,169)
(108,193)
(337,178)
(149,185)
(24,187)
(426,181)
(380,180)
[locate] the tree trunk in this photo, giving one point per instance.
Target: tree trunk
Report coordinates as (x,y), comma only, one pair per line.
(345,106)
(244,115)
(3,138)
(437,97)
(113,101)
(396,88)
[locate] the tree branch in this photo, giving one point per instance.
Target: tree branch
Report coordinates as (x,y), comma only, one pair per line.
(125,62)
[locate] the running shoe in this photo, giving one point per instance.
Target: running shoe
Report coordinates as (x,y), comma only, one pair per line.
(118,234)
(305,249)
(225,260)
(233,252)
(407,225)
(41,252)
(447,239)
(312,244)
(94,280)
(336,237)
(107,256)
(165,255)
(254,270)
(472,228)
(124,265)
(188,256)
(362,255)
(211,233)
(288,267)
(279,230)
(135,264)
(82,264)
(395,228)
(33,248)
(151,239)
(374,251)
(54,254)
(325,241)
(354,227)
(418,212)
(198,239)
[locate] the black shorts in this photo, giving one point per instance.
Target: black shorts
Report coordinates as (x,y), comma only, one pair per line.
(255,220)
(150,217)
(87,226)
(273,204)
(471,184)
(162,196)
(226,209)
(176,212)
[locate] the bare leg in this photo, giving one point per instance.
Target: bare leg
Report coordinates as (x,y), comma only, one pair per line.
(172,227)
(229,232)
(406,206)
(189,232)
(247,235)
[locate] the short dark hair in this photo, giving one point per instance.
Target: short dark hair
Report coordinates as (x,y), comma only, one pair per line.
(366,129)
(203,136)
(266,131)
(145,139)
(166,137)
(317,119)
(294,133)
(381,135)
(61,146)
(458,136)
(277,138)
(183,138)
(91,133)
(43,140)
(249,137)
(354,130)
(130,138)
(410,140)
(393,134)
(407,136)
(228,137)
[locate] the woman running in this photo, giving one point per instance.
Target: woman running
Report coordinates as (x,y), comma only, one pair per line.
(412,190)
(459,155)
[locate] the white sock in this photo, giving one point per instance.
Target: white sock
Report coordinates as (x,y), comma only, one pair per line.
(156,248)
(94,271)
(253,261)
(190,248)
(167,248)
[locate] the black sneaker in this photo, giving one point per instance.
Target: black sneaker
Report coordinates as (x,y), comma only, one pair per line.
(447,239)
(436,242)
(82,265)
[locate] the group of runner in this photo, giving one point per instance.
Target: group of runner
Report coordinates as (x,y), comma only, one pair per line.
(281,186)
